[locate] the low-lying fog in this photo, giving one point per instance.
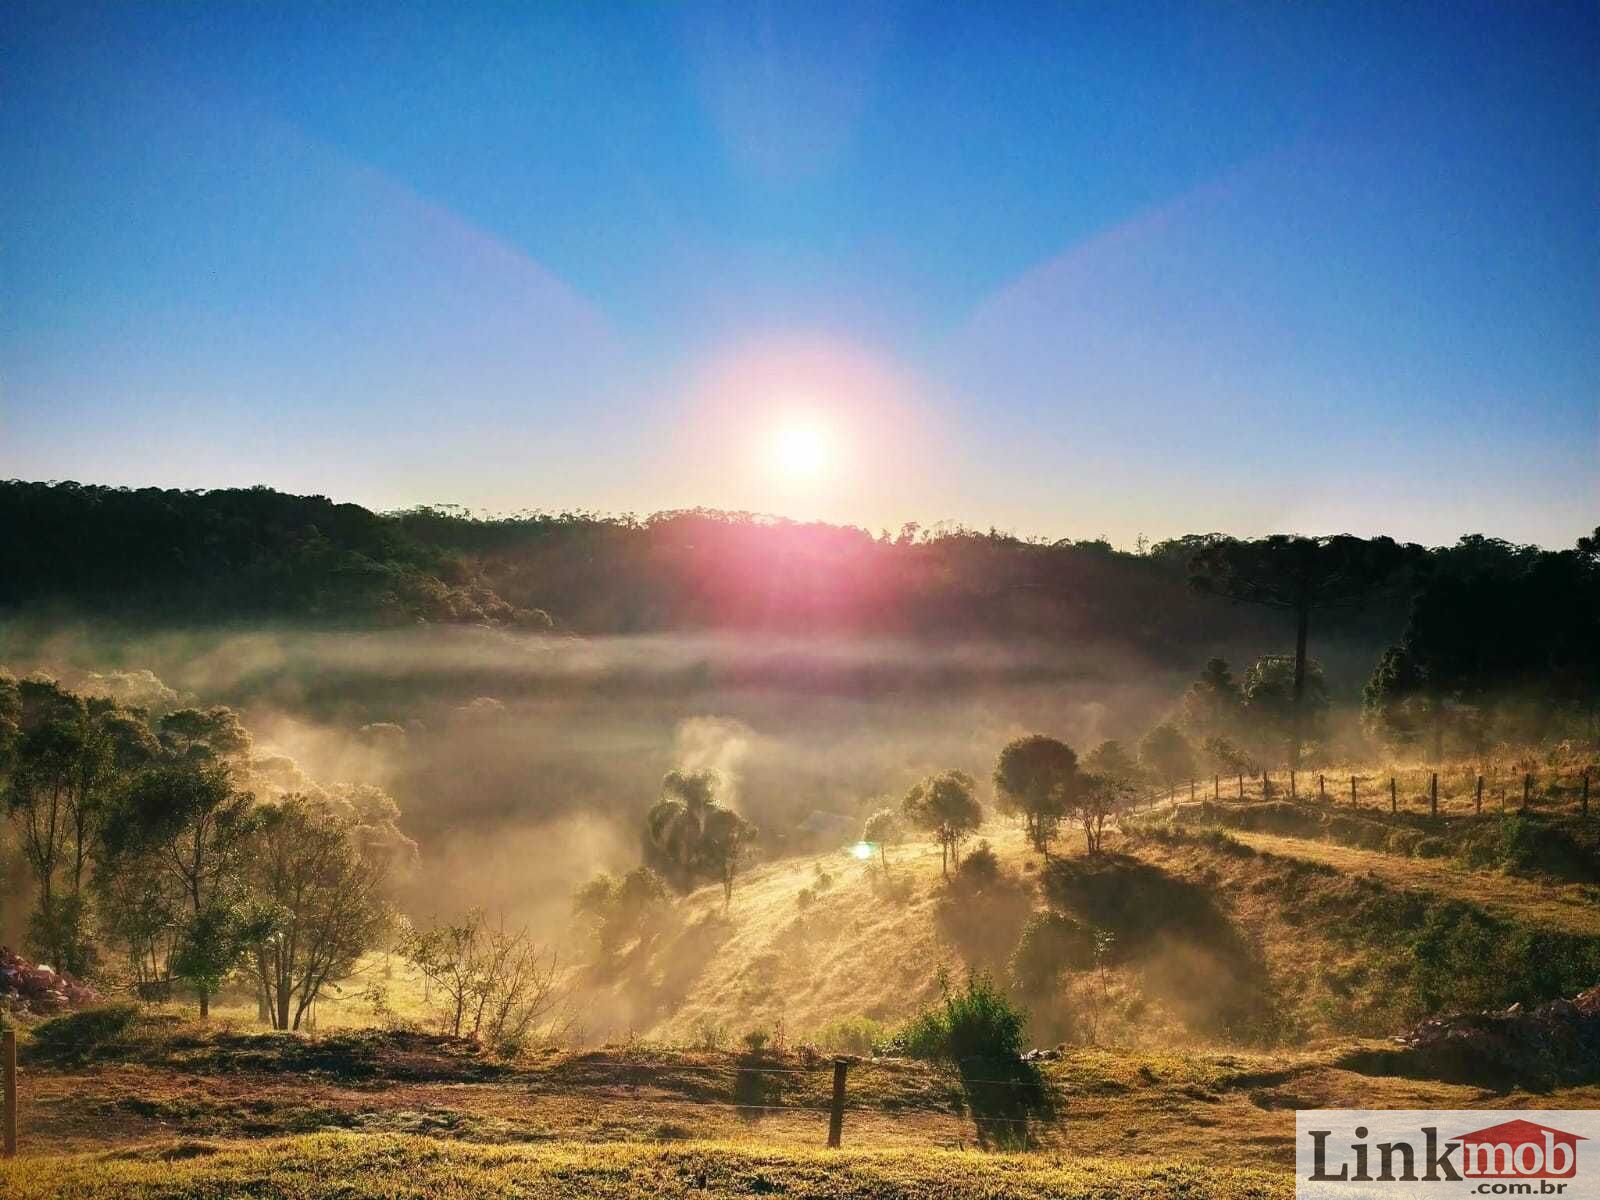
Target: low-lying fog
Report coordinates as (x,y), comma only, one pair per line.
(523,763)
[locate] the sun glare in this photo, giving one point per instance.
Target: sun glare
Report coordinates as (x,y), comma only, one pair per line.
(800,451)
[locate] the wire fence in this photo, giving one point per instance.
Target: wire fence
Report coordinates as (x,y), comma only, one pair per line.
(987,1101)
(1451,789)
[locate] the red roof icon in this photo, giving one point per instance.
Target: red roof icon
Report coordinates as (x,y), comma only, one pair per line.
(1518,1131)
(1519,1149)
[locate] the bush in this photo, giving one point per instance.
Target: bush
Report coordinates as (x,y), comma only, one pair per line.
(976,1021)
(852,1035)
(77,1036)
(979,871)
(1050,944)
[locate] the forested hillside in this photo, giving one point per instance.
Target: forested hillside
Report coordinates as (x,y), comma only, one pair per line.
(169,557)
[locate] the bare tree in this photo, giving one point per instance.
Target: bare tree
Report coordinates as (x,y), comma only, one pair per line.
(498,985)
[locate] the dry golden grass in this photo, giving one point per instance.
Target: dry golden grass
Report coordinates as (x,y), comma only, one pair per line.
(355,1167)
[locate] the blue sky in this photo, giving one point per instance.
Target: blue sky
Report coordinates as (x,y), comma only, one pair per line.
(1067,269)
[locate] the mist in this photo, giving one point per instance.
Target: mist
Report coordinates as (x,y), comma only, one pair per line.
(523,763)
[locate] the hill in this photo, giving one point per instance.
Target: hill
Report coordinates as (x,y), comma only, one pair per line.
(169,557)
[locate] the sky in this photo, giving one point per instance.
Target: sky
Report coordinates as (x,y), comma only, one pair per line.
(1069,270)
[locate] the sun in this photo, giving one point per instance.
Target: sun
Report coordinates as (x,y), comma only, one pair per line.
(800,452)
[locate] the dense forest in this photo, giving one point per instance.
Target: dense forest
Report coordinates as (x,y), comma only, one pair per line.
(1453,621)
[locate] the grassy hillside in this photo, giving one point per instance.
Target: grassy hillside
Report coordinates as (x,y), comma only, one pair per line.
(1245,975)
(1248,938)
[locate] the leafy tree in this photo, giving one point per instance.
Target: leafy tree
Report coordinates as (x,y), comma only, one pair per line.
(1166,755)
(1051,943)
(1098,799)
(675,825)
(1213,704)
(66,756)
(690,836)
(213,941)
(1110,760)
(204,734)
(884,828)
(322,893)
(1227,756)
(1301,576)
(187,820)
(946,805)
(622,909)
(1037,776)
(725,843)
(1270,704)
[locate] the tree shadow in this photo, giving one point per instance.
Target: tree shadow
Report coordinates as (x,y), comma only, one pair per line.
(1188,952)
(1009,1100)
(983,919)
(759,1085)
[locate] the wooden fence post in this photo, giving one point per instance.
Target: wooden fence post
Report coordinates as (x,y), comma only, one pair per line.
(8,1052)
(836,1112)
(1586,793)
(1433,795)
(1266,785)
(1216,787)
(1322,791)
(1353,803)
(1293,793)
(1241,785)
(1191,791)
(1478,799)
(1394,803)
(1527,789)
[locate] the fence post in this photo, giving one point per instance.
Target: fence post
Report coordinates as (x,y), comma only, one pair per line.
(1433,795)
(1266,785)
(1394,804)
(1586,793)
(8,1052)
(1191,791)
(836,1112)
(1478,799)
(1322,791)
(1216,787)
(1241,785)
(1527,788)
(1294,794)
(1353,803)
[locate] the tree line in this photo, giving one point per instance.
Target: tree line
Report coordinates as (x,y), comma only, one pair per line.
(150,858)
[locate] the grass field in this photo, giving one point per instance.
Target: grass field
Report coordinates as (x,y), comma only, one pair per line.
(1187,1092)
(393,1167)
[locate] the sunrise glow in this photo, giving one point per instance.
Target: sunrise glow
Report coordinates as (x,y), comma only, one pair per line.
(800,451)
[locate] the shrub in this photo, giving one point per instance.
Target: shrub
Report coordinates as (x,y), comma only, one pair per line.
(77,1036)
(979,871)
(1050,943)
(851,1035)
(975,1021)
(756,1040)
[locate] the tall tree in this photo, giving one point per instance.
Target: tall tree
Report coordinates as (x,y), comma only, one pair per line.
(946,805)
(188,820)
(1037,776)
(1301,576)
(322,893)
(1166,755)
